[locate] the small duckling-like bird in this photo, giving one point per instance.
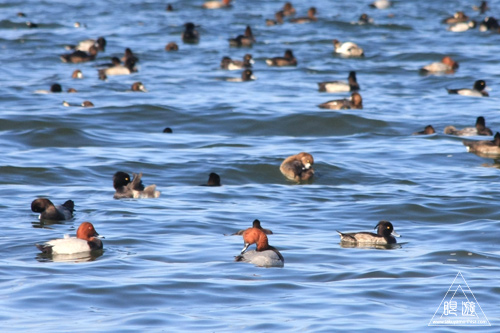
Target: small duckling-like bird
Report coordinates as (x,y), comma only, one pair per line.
(298,167)
(427,131)
(126,188)
(385,235)
(48,211)
(287,60)
(478,90)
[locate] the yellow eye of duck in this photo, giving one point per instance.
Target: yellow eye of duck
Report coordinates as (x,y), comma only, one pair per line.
(388,227)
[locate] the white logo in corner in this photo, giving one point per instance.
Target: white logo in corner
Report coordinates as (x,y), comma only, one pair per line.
(459,307)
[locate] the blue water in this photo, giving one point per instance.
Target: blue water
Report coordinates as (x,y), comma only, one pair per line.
(166,264)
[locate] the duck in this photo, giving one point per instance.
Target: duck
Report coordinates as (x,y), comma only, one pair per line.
(243,40)
(217,4)
(427,131)
(348,49)
(246,75)
(385,235)
(311,17)
(77,74)
(190,34)
(479,129)
(128,55)
(365,19)
(172,46)
(87,104)
(354,102)
(456,18)
(80,56)
(476,91)
(298,167)
(482,8)
(55,88)
(279,19)
(255,224)
(381,4)
(489,23)
(126,69)
(85,45)
(484,147)
(229,64)
(288,9)
(72,90)
(340,86)
(85,241)
(115,61)
(48,211)
(213,180)
(138,86)
(169,8)
(287,60)
(126,188)
(265,255)
(462,26)
(447,66)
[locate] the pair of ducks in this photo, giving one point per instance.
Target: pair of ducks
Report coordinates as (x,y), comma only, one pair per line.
(280,18)
(266,255)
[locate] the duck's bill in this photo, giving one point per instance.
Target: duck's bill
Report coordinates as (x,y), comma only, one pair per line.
(395,234)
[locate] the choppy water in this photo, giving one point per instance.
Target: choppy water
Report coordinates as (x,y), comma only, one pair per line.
(166,264)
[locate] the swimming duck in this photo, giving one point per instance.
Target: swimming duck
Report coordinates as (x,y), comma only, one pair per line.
(279,16)
(243,40)
(85,45)
(311,17)
(489,23)
(484,147)
(77,74)
(128,55)
(462,26)
(456,18)
(287,60)
(483,7)
(265,255)
(347,49)
(255,224)
(365,19)
(340,86)
(48,211)
(476,91)
(172,46)
(80,56)
(55,88)
(85,241)
(381,4)
(446,66)
(87,104)
(217,4)
(479,129)
(298,167)
(190,34)
(427,131)
(288,9)
(126,69)
(246,75)
(213,180)
(354,102)
(385,235)
(228,63)
(138,86)
(125,188)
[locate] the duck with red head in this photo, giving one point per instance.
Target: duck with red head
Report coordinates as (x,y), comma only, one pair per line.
(85,241)
(265,255)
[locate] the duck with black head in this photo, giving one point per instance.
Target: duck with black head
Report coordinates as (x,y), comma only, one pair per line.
(478,90)
(340,86)
(479,129)
(190,34)
(287,60)
(484,147)
(385,235)
(80,56)
(48,211)
(127,188)
(243,40)
(213,180)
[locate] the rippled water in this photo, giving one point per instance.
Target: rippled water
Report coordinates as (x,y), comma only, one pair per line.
(166,263)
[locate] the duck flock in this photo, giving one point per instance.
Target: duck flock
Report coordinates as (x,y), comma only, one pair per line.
(298,167)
